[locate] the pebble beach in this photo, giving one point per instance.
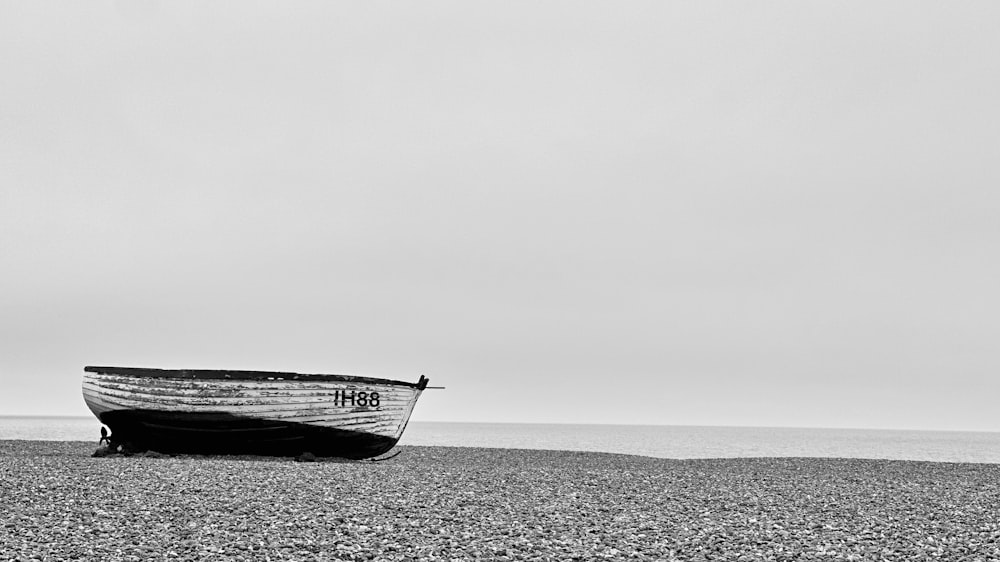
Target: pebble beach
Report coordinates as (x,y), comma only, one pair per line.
(451,503)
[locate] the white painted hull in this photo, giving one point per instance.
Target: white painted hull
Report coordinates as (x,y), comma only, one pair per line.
(250,411)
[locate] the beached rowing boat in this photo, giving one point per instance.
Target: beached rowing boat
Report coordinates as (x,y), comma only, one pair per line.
(250,412)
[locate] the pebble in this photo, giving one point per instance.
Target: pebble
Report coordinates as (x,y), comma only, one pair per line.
(450,503)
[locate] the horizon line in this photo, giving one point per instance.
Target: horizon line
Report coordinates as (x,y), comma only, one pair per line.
(622,424)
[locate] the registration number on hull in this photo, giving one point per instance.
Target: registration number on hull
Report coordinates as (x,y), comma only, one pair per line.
(355,398)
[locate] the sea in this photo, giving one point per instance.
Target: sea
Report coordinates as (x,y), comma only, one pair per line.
(664,441)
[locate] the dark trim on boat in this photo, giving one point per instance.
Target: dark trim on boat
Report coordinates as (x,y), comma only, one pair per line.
(220,433)
(208,374)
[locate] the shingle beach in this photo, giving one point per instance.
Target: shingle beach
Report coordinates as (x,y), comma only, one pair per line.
(443,503)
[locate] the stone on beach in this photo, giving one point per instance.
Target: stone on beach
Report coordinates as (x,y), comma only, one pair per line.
(442,503)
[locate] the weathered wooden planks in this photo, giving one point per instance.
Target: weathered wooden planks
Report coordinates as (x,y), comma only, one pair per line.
(200,409)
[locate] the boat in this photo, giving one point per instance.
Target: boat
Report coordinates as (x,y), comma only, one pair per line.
(202,411)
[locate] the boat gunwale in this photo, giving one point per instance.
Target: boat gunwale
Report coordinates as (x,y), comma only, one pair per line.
(227,374)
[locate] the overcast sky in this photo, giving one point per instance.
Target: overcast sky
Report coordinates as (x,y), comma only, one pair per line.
(704,213)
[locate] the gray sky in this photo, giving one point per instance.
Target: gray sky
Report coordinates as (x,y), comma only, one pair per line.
(722,213)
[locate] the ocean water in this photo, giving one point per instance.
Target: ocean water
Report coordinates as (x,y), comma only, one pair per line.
(678,442)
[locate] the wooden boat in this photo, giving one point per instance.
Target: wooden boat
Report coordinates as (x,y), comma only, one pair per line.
(250,412)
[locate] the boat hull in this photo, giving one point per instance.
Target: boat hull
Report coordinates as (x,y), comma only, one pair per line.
(223,433)
(250,412)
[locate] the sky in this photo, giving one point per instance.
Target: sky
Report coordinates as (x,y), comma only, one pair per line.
(646,212)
